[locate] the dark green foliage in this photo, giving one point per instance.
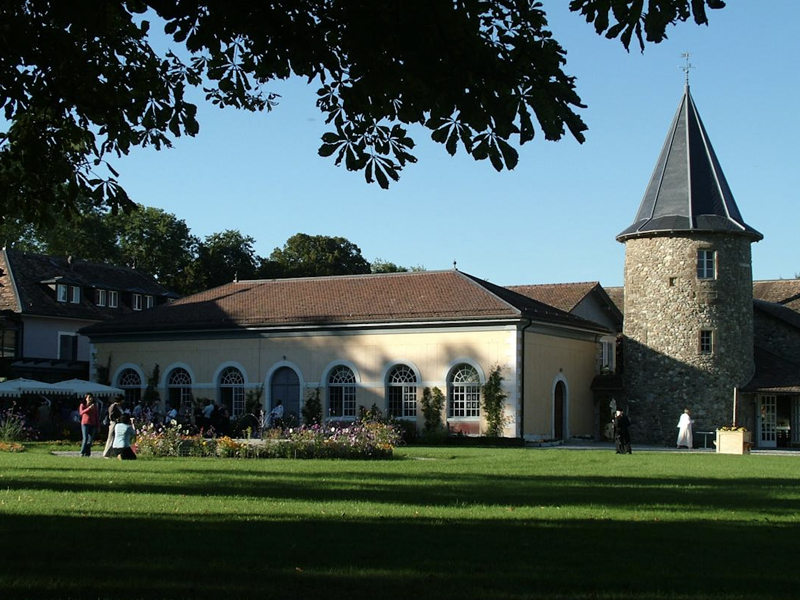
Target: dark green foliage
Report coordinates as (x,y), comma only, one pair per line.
(316,255)
(312,408)
(80,83)
(222,258)
(494,400)
(626,18)
(151,396)
(432,407)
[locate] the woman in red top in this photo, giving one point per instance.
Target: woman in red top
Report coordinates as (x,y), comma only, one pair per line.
(90,419)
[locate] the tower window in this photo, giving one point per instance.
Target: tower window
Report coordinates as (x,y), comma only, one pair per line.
(706,264)
(706,341)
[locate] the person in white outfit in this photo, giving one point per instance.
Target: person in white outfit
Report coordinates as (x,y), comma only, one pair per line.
(685,429)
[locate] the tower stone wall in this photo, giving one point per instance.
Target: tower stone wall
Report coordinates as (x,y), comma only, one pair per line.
(666,308)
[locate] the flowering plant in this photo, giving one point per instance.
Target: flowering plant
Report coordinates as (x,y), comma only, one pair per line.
(11,447)
(732,428)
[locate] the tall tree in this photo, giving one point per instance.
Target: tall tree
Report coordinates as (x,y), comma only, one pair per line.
(80,82)
(155,242)
(315,255)
(382,266)
(222,258)
(87,235)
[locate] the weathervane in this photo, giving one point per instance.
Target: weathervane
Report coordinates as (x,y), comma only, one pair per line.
(685,68)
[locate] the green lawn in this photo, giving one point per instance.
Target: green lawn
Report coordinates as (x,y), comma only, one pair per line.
(433,523)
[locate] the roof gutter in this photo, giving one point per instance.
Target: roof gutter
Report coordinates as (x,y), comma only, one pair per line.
(521,368)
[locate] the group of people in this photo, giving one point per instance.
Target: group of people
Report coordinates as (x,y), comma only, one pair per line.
(622,434)
(121,433)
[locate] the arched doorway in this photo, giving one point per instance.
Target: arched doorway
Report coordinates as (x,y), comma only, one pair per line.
(285,387)
(559,399)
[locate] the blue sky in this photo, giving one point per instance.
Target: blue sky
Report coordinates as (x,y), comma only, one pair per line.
(555,217)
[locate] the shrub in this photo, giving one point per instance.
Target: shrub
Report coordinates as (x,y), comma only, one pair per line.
(494,403)
(432,406)
(312,409)
(13,427)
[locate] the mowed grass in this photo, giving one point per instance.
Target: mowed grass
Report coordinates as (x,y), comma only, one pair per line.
(441,523)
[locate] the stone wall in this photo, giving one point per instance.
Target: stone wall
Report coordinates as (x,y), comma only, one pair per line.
(666,308)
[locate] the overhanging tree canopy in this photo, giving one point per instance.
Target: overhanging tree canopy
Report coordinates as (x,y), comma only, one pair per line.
(80,82)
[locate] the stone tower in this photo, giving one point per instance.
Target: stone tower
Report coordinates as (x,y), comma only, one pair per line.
(688,290)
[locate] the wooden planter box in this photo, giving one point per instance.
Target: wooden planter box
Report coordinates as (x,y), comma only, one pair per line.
(733,442)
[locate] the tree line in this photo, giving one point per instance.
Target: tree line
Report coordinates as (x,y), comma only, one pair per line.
(160,244)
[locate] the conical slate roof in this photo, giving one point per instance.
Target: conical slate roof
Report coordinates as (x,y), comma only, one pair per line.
(688,191)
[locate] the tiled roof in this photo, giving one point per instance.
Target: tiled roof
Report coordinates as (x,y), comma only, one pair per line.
(346,300)
(617,295)
(779,291)
(26,282)
(565,296)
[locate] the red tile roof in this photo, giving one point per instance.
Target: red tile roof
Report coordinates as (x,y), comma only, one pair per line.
(565,296)
(779,291)
(356,299)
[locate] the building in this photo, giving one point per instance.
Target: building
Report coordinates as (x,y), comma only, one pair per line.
(689,329)
(692,334)
(367,340)
(45,301)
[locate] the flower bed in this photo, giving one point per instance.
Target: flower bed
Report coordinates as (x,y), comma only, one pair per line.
(362,440)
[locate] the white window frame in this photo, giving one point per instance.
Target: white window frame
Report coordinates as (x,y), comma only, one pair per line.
(137,302)
(231,382)
(401,389)
(464,392)
(149,301)
(706,342)
(75,294)
(61,292)
(342,393)
(131,382)
(706,263)
(100,297)
(113,299)
(608,355)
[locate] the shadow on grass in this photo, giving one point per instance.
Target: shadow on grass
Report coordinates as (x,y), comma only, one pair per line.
(685,494)
(245,553)
(49,557)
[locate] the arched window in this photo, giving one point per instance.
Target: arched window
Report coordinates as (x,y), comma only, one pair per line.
(401,392)
(464,392)
(341,392)
(130,381)
(179,387)
(231,391)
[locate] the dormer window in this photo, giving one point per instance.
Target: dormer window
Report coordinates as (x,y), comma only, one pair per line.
(61,292)
(137,302)
(113,299)
(100,297)
(75,296)
(149,302)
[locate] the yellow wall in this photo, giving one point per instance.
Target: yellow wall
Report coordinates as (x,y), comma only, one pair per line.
(431,353)
(549,359)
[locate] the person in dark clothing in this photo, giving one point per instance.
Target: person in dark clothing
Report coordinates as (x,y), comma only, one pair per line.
(622,433)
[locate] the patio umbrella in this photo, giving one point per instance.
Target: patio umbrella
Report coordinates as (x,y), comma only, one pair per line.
(14,388)
(79,387)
